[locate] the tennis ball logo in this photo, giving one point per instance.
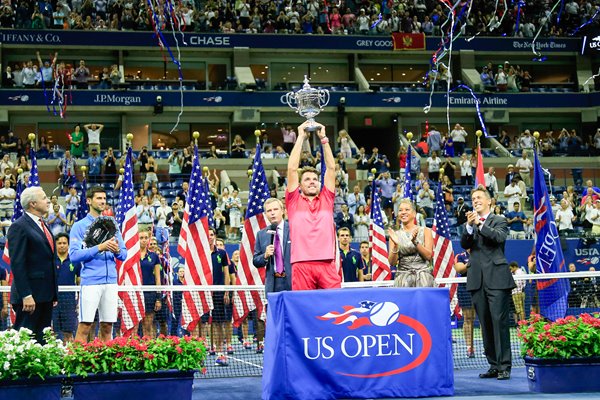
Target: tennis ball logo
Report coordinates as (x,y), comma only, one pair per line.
(384,314)
(595,260)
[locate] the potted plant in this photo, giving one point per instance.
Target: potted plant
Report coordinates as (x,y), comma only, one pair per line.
(561,356)
(135,368)
(29,370)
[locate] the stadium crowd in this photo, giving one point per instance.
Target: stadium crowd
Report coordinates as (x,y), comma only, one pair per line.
(161,189)
(298,17)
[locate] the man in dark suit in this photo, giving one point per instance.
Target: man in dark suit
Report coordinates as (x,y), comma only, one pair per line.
(278,275)
(489,281)
(34,289)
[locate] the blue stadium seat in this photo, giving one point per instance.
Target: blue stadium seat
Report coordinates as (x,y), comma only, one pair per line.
(164,185)
(137,186)
(117,153)
(56,154)
(163,154)
(108,186)
(429,222)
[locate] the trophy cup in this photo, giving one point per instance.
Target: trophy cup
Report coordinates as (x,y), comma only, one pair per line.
(308,102)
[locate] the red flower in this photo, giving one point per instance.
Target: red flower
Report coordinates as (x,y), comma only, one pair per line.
(179,349)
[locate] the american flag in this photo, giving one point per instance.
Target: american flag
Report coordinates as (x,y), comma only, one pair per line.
(34,176)
(248,274)
(194,247)
(129,272)
(82,209)
(379,253)
(208,203)
(443,253)
(408,194)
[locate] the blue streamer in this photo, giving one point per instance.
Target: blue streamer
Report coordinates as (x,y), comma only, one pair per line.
(483,128)
(164,41)
(586,23)
(562,7)
(520,4)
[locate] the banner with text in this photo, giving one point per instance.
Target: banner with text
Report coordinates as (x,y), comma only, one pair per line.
(358,343)
(122,39)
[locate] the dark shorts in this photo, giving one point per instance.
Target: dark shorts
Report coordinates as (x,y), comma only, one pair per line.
(64,315)
(149,301)
(221,312)
(386,202)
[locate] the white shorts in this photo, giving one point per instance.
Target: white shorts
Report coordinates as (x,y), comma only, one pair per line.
(103,298)
(151,177)
(235,218)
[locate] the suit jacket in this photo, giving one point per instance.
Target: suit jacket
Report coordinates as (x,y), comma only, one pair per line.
(31,262)
(488,263)
(263,239)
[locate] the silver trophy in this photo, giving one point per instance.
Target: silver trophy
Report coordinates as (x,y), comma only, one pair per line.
(308,102)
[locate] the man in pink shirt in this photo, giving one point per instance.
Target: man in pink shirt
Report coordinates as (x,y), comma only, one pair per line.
(310,214)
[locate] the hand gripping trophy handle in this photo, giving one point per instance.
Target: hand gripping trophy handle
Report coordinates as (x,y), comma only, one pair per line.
(308,102)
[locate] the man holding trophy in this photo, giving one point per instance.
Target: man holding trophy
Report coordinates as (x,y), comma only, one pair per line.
(310,213)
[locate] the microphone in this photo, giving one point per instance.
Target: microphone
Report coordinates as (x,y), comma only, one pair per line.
(272,231)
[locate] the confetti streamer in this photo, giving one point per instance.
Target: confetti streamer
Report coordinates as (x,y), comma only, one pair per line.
(587,22)
(542,23)
(483,128)
(165,45)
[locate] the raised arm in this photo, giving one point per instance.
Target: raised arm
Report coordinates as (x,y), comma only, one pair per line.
(329,159)
(294,160)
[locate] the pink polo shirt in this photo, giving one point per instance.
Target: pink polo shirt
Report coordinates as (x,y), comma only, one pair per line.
(312,230)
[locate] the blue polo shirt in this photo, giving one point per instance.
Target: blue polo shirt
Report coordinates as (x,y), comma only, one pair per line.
(352,262)
(66,272)
(516,226)
(147,265)
(220,261)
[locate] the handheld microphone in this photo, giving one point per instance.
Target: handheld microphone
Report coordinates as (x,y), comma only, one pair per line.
(272,231)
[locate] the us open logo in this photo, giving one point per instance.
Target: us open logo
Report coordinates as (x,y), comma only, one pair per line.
(374,329)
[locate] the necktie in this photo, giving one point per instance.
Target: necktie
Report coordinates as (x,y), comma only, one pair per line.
(482,220)
(278,254)
(48,235)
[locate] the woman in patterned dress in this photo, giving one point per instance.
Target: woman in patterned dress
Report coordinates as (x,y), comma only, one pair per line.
(411,247)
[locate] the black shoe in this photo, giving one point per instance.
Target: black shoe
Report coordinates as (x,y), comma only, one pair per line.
(491,373)
(503,375)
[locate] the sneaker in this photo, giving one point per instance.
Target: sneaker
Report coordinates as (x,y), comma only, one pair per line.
(230,350)
(247,345)
(470,352)
(221,360)
(260,349)
(212,351)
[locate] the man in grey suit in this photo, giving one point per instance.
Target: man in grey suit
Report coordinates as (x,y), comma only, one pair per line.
(276,260)
(489,281)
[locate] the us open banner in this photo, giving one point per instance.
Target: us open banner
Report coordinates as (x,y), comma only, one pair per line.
(358,343)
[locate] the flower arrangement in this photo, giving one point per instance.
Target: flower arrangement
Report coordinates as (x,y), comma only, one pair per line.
(135,354)
(21,356)
(565,338)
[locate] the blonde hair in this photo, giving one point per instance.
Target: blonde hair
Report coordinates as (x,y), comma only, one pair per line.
(408,201)
(272,200)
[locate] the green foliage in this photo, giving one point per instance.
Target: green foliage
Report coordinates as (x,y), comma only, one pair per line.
(565,338)
(21,356)
(135,354)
